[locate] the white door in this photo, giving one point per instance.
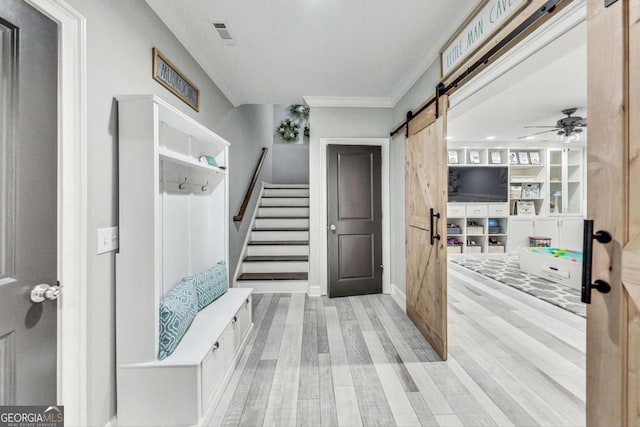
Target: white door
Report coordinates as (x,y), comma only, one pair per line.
(28,204)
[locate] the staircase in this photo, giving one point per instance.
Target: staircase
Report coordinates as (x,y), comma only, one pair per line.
(277,254)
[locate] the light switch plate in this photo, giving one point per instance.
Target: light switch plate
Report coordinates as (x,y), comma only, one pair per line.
(107,239)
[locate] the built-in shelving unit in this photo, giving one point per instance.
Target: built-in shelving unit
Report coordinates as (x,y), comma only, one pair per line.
(174,219)
(545,183)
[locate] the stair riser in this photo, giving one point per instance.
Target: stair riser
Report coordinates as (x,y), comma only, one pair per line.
(277,250)
(283,212)
(275,236)
(271,286)
(282,223)
(290,201)
(275,267)
(286,192)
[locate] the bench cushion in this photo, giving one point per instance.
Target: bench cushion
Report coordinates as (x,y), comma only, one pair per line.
(211,284)
(177,311)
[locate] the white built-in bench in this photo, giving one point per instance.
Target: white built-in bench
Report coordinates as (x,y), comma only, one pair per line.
(183,388)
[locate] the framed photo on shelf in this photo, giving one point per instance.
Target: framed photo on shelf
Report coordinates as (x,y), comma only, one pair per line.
(531,191)
(453,157)
(474,157)
(525,208)
(523,158)
(496,158)
(513,158)
(534,156)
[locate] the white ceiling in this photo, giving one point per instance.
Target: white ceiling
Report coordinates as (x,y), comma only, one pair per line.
(319,48)
(532,93)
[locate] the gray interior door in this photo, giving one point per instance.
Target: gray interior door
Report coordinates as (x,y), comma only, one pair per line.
(28,203)
(354,219)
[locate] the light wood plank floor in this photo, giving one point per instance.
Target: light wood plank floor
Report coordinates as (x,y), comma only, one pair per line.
(514,360)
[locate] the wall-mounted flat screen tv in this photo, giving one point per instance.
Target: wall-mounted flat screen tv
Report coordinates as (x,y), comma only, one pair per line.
(468,184)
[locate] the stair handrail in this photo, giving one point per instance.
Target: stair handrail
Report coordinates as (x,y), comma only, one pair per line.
(252,185)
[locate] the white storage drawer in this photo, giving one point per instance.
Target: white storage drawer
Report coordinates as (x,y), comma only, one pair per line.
(477,210)
(211,371)
(244,320)
(455,210)
(499,211)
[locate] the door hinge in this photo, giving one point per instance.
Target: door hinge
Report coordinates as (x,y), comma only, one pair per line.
(381,267)
(608,3)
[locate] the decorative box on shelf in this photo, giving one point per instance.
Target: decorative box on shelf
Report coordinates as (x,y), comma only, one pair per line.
(454,249)
(453,229)
(474,228)
(496,249)
(474,249)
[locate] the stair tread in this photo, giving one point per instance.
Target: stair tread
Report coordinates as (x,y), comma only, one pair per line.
(283,206)
(285,197)
(276,258)
(287,187)
(274,276)
(281,229)
(282,217)
(279,242)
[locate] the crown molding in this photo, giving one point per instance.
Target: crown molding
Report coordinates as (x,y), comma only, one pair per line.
(412,77)
(349,101)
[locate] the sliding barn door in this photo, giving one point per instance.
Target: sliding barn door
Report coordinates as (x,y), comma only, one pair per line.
(613,148)
(426,207)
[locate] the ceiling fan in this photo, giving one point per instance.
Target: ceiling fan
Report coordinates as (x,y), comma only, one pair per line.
(567,128)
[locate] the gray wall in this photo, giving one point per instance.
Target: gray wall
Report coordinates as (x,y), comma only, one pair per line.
(336,123)
(290,163)
(121,34)
(290,159)
(419,92)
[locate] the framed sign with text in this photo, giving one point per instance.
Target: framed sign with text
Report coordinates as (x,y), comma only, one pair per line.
(165,73)
(485,21)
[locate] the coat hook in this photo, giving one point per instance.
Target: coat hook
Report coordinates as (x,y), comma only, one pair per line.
(204,187)
(182,185)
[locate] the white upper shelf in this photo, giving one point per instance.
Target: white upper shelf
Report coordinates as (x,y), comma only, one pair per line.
(184,160)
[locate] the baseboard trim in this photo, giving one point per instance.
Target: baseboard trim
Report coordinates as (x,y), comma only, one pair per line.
(314,291)
(399,297)
(113,422)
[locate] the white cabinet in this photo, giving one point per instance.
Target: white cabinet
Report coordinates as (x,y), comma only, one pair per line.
(477,210)
(570,233)
(566,176)
(499,210)
(564,232)
(477,227)
(519,232)
(456,210)
(174,219)
(546,227)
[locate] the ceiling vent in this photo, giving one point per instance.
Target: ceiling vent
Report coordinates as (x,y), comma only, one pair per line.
(225,34)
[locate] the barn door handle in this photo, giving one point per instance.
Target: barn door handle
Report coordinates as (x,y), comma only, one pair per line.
(587,254)
(432,235)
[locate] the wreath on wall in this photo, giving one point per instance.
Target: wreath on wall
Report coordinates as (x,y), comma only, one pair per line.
(288,130)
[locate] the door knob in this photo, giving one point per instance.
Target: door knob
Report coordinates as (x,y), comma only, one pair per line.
(44,292)
(332,227)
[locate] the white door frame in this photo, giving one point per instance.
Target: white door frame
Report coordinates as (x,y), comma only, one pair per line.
(386,208)
(72,207)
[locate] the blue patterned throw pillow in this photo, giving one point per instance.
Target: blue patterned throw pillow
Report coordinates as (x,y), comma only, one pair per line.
(211,284)
(177,311)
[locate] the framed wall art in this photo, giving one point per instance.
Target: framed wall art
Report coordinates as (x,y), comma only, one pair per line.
(165,73)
